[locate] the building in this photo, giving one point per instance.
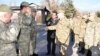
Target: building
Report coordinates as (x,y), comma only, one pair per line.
(42,12)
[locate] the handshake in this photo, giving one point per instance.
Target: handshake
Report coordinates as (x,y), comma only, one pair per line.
(50,28)
(46,28)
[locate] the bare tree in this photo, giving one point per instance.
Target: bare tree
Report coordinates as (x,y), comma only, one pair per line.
(68,7)
(51,4)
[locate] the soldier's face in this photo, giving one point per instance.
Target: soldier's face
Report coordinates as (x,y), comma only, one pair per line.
(28,10)
(54,15)
(7,17)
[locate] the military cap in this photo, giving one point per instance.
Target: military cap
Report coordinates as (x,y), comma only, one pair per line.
(4,8)
(25,4)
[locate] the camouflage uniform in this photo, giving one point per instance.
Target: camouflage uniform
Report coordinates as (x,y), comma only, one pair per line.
(8,32)
(8,36)
(82,30)
(33,33)
(33,36)
(89,36)
(24,22)
(97,31)
(77,28)
(97,34)
(62,33)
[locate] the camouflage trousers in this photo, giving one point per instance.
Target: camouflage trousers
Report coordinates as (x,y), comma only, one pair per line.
(33,42)
(24,42)
(8,50)
(63,48)
(76,38)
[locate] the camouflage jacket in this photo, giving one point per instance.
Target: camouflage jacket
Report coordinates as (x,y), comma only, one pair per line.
(97,29)
(82,29)
(8,36)
(62,29)
(90,34)
(77,25)
(24,21)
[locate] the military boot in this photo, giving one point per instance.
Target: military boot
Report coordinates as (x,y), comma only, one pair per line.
(87,52)
(81,48)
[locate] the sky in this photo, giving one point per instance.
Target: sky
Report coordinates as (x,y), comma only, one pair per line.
(87,5)
(82,5)
(17,2)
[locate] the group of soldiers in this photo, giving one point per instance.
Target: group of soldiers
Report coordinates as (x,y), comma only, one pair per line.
(86,32)
(21,31)
(17,35)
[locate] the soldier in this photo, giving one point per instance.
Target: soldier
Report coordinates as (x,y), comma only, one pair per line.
(82,35)
(24,21)
(8,34)
(97,29)
(95,49)
(89,38)
(33,33)
(77,28)
(62,32)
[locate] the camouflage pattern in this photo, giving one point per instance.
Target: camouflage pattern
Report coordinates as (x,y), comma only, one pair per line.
(89,36)
(62,29)
(77,27)
(33,36)
(97,31)
(24,22)
(62,33)
(82,30)
(8,36)
(71,22)
(97,34)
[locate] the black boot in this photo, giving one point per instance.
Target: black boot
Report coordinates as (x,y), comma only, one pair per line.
(81,50)
(88,52)
(48,53)
(34,54)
